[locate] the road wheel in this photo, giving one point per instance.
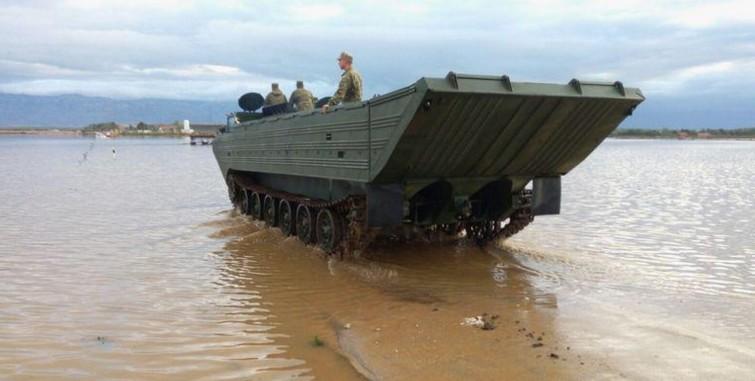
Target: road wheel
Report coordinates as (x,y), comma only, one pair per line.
(233,189)
(305,224)
(255,206)
(286,218)
(244,201)
(271,213)
(449,229)
(328,230)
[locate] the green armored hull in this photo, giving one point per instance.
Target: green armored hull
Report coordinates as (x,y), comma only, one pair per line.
(453,153)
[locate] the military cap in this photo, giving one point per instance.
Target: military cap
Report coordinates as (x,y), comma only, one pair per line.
(275,86)
(299,84)
(346,56)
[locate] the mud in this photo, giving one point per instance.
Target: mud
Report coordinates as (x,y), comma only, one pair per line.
(404,306)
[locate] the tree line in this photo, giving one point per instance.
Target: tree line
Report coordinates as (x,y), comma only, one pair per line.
(676,133)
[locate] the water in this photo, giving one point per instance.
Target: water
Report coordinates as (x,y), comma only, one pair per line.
(668,220)
(132,267)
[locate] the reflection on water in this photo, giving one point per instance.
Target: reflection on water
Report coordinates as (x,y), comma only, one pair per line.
(107,275)
(666,220)
(133,268)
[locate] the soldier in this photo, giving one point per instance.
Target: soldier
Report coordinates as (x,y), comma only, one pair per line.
(350,87)
(275,97)
(302,98)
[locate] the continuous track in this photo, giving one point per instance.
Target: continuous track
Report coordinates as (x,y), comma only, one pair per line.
(339,227)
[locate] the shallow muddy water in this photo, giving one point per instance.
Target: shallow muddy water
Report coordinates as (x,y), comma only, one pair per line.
(133,267)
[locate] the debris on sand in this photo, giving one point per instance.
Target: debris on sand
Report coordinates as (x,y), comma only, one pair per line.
(553,356)
(317,342)
(475,321)
(537,345)
(485,322)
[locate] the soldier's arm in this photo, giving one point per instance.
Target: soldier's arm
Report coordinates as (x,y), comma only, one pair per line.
(341,92)
(358,87)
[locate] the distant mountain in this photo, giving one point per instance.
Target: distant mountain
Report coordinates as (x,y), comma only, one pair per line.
(696,111)
(78,110)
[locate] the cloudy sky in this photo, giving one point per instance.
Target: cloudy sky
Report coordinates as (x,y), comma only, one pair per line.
(692,59)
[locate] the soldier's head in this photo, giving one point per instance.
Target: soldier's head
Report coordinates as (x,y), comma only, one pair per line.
(275,86)
(299,84)
(345,60)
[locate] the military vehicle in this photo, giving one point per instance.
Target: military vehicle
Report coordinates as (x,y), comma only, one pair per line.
(453,154)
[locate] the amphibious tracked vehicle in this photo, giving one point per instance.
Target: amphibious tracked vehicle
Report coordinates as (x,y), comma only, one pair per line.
(450,154)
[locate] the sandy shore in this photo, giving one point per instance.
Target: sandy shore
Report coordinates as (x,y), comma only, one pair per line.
(39,132)
(399,314)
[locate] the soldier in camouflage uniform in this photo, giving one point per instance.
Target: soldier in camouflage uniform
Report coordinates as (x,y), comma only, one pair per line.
(301,98)
(350,87)
(275,97)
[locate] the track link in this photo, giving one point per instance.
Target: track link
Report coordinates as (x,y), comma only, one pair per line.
(351,212)
(487,231)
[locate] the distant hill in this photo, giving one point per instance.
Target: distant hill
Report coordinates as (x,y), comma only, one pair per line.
(78,110)
(690,112)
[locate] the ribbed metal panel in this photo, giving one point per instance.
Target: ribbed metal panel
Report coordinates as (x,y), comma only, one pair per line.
(465,127)
(486,135)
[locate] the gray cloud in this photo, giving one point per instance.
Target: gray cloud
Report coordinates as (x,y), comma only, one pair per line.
(218,49)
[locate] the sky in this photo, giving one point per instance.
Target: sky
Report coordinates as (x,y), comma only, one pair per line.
(694,60)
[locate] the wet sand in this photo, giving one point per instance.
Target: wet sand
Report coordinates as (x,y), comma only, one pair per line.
(397,313)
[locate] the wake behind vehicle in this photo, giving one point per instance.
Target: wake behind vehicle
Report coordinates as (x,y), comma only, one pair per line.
(452,154)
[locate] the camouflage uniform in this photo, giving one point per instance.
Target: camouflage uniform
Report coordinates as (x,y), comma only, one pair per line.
(349,89)
(275,97)
(302,98)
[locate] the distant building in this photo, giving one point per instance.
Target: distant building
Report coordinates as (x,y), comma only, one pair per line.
(167,128)
(187,127)
(704,135)
(212,129)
